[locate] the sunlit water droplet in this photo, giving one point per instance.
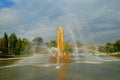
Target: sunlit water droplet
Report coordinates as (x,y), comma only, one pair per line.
(58,67)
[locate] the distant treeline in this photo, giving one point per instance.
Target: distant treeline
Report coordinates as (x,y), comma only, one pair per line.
(110,47)
(12,45)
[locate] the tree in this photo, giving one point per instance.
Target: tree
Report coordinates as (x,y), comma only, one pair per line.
(109,48)
(38,41)
(0,41)
(13,46)
(52,43)
(25,45)
(4,44)
(117,46)
(19,48)
(101,49)
(12,43)
(0,45)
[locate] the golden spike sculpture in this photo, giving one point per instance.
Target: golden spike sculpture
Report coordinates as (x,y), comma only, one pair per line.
(60,39)
(60,45)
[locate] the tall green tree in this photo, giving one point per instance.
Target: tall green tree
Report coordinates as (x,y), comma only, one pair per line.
(26,46)
(5,44)
(12,43)
(19,48)
(0,44)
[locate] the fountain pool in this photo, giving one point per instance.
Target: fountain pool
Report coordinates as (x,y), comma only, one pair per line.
(74,66)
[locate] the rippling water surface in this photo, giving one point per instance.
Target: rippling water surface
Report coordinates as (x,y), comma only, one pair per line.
(38,68)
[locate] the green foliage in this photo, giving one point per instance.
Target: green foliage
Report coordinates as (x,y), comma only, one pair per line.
(52,43)
(19,47)
(110,47)
(68,47)
(117,45)
(4,44)
(101,48)
(38,41)
(11,45)
(26,45)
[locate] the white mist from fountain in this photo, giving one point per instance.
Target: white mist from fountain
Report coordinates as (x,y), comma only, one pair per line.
(87,56)
(72,40)
(51,51)
(58,60)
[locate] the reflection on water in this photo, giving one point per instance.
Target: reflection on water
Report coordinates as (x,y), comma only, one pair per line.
(7,62)
(84,68)
(63,72)
(72,71)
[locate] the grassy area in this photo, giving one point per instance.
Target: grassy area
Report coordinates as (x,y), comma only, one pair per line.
(116,54)
(102,53)
(15,56)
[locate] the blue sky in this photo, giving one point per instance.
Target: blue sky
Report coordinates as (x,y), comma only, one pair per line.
(95,21)
(6,3)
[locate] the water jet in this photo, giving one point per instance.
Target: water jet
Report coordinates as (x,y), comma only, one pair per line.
(60,56)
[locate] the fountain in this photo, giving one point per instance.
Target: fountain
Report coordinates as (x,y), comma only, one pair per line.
(55,64)
(61,55)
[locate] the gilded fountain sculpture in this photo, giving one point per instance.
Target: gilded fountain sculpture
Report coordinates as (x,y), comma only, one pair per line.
(61,54)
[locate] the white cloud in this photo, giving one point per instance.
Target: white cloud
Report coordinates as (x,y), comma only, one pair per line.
(32,18)
(8,17)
